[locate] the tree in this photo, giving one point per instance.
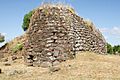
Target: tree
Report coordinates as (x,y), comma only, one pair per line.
(109,49)
(116,49)
(2,38)
(26,20)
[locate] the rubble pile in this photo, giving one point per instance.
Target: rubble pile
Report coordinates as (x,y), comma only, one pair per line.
(56,34)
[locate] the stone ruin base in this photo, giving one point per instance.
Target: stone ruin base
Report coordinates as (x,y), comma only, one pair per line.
(56,34)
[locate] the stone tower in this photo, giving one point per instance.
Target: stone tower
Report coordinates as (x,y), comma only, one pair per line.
(56,34)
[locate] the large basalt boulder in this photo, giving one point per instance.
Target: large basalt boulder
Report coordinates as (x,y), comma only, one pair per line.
(56,34)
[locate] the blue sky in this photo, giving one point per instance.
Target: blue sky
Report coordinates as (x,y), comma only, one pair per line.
(105,14)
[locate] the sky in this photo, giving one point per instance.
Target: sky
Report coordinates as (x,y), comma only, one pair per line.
(105,14)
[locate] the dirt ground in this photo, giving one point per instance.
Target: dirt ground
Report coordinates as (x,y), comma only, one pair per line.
(86,66)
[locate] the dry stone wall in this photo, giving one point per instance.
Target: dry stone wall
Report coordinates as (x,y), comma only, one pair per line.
(56,34)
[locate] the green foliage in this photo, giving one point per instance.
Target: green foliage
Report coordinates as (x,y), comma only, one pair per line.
(109,49)
(113,50)
(26,20)
(17,47)
(116,49)
(2,38)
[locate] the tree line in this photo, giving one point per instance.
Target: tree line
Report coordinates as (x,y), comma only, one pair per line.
(113,49)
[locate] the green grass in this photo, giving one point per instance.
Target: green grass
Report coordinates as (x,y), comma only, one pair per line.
(17,47)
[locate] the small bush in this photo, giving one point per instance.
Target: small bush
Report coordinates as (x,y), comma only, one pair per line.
(17,47)
(116,49)
(2,38)
(109,49)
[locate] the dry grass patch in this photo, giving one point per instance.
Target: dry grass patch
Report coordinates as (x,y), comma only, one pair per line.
(86,66)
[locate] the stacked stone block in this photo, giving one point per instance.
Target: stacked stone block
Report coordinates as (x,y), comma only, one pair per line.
(56,34)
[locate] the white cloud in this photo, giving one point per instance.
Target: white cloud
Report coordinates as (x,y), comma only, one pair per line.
(116,30)
(112,31)
(4,34)
(112,35)
(103,29)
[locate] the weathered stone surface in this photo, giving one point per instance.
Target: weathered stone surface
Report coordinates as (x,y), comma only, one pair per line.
(14,57)
(55,63)
(54,69)
(56,33)
(45,64)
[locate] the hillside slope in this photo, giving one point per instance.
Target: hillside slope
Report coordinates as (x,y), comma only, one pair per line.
(86,66)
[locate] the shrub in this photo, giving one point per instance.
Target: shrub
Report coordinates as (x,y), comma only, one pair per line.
(109,49)
(26,20)
(17,47)
(116,49)
(2,38)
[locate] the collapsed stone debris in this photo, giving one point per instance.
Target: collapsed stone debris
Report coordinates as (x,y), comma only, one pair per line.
(56,34)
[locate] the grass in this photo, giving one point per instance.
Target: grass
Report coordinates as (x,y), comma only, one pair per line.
(17,47)
(71,10)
